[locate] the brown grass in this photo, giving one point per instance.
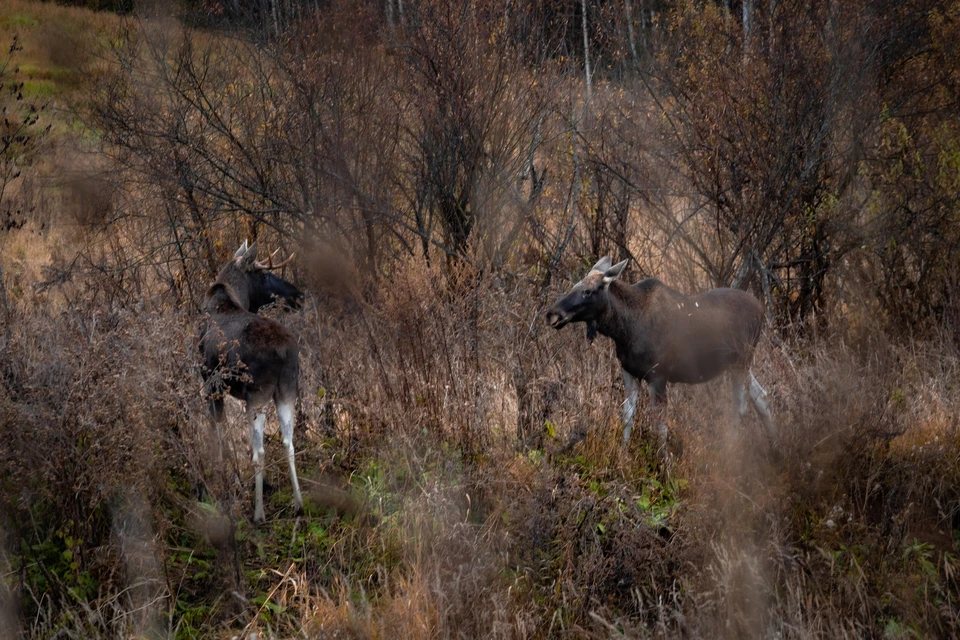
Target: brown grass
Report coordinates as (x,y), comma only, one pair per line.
(435,523)
(55,38)
(460,460)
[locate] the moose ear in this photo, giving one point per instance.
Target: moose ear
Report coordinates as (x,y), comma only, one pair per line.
(250,255)
(242,250)
(602,264)
(614,272)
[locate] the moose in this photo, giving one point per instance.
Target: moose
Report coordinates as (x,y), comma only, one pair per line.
(663,336)
(253,358)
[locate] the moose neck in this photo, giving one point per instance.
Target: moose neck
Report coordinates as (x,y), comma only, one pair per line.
(233,276)
(619,317)
(222,299)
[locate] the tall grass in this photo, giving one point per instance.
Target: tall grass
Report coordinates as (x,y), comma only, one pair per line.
(428,516)
(460,460)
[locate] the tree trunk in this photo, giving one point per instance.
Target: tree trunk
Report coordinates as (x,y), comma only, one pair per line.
(586,50)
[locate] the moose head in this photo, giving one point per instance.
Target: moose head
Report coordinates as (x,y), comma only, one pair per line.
(588,298)
(253,282)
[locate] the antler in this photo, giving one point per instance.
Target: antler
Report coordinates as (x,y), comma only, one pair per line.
(269,264)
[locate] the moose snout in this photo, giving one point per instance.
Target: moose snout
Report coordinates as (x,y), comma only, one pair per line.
(555,318)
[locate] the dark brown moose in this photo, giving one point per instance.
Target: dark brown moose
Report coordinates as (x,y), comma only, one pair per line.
(254,359)
(663,336)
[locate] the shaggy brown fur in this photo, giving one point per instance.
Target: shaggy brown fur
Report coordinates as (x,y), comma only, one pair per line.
(663,336)
(252,358)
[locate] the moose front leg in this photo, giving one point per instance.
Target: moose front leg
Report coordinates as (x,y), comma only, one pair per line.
(758,396)
(632,388)
(738,383)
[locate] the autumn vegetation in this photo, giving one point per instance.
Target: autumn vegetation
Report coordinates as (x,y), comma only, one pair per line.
(443,171)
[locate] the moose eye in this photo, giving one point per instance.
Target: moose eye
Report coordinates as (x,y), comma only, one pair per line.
(587,293)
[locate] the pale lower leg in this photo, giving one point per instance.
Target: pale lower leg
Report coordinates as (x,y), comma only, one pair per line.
(632,387)
(285,412)
(256,443)
(738,380)
(758,396)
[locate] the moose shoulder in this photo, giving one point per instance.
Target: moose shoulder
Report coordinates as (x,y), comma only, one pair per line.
(663,336)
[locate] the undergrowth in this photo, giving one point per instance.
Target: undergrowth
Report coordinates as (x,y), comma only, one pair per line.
(460,461)
(427,515)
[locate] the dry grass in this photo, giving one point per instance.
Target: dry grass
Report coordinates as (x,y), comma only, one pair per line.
(460,460)
(425,517)
(57,42)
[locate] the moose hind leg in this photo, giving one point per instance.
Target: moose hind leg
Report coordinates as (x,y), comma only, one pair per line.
(758,396)
(257,419)
(216,422)
(213,450)
(738,380)
(658,403)
(285,410)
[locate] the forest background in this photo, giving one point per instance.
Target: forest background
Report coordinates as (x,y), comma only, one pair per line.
(443,170)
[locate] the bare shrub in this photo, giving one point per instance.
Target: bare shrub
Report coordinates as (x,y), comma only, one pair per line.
(461,461)
(423,513)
